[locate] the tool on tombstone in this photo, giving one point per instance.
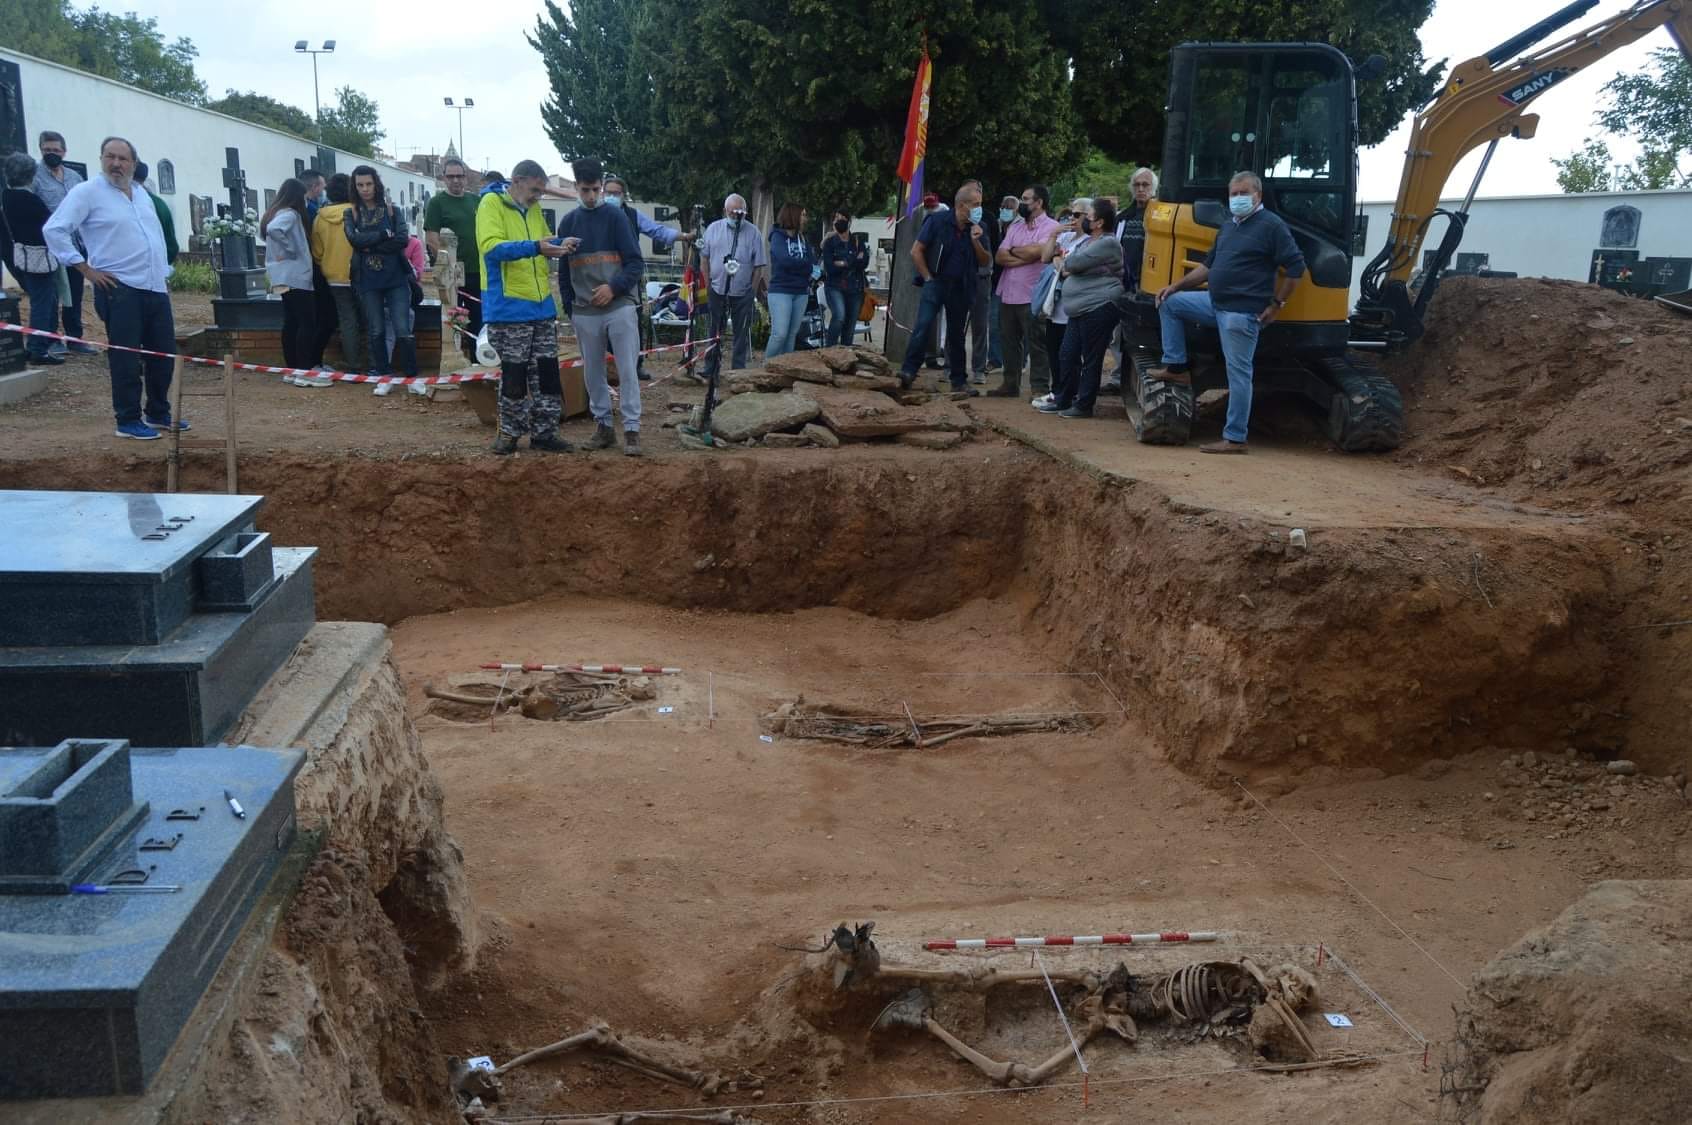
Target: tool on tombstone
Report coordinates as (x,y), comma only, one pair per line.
(234,805)
(123,888)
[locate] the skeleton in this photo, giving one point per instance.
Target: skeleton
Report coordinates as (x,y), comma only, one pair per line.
(600,1040)
(881,732)
(570,696)
(1203,998)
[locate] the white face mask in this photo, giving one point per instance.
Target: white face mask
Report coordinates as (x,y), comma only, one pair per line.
(1241,205)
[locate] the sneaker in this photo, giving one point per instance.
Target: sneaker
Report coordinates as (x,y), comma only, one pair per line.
(602,438)
(181,426)
(1113,387)
(313,380)
(1049,405)
(550,443)
(383,390)
(979,378)
(967,391)
(504,445)
(640,372)
(934,365)
(1075,412)
(48,360)
(1038,401)
(631,443)
(419,389)
(85,349)
(140,431)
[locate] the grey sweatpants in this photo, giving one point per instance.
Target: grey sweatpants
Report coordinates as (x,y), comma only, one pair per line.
(1019,337)
(618,330)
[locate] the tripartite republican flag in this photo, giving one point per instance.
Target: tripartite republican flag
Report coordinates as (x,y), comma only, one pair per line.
(916,136)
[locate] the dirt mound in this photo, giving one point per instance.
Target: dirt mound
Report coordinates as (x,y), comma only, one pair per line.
(1578,395)
(1584,1020)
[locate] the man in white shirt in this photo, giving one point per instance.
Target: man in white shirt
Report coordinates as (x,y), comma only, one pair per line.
(115,219)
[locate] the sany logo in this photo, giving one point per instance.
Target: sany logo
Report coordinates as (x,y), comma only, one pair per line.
(1534,86)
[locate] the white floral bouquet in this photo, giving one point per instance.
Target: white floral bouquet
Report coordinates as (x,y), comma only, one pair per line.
(222,226)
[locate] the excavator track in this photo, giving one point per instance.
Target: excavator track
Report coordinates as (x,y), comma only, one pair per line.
(1366,413)
(1162,412)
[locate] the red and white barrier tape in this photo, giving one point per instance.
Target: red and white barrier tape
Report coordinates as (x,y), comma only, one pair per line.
(1093,939)
(337,376)
(611,669)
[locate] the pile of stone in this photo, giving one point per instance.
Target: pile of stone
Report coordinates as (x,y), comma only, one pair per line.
(832,395)
(1568,792)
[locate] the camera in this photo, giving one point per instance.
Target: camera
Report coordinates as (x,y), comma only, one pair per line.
(731,267)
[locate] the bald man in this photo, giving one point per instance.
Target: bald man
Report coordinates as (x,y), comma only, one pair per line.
(736,266)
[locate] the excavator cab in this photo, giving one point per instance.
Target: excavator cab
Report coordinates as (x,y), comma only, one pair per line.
(1287,112)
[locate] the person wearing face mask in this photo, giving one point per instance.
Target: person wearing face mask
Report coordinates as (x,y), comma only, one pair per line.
(1072,232)
(736,261)
(115,221)
(948,253)
(53,181)
(513,245)
(844,263)
(978,334)
(1019,260)
(1092,282)
(995,343)
(1131,233)
(1252,270)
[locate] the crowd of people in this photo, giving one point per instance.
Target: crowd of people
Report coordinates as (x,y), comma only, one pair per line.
(1021,288)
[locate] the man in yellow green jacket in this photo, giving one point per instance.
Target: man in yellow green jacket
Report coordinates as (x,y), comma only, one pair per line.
(518,309)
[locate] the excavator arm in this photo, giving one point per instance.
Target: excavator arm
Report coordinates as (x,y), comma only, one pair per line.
(1482,103)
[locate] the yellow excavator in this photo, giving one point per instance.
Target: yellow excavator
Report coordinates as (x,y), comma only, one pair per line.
(1288,112)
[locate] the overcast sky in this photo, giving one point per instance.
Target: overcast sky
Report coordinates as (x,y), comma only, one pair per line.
(408,57)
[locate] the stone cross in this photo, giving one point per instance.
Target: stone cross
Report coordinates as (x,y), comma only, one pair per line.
(236,181)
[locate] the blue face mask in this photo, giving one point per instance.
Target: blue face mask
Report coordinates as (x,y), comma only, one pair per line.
(1006,214)
(614,200)
(1241,205)
(975,214)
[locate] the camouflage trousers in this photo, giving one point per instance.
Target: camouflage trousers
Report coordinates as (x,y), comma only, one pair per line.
(531,397)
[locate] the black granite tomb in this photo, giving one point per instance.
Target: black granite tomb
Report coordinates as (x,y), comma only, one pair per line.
(149,618)
(100,964)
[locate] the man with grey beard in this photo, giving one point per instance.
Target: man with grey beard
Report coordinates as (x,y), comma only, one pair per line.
(115,220)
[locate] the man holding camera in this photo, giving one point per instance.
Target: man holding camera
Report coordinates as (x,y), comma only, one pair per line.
(737,271)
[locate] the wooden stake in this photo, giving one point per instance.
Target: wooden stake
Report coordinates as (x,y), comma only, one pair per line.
(229,420)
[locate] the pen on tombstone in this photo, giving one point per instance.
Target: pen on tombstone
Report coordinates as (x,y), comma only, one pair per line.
(234,805)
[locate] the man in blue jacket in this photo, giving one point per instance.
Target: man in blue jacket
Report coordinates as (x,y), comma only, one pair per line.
(599,279)
(1244,295)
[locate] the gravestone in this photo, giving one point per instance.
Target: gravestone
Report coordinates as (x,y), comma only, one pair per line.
(96,986)
(239,278)
(1621,228)
(153,618)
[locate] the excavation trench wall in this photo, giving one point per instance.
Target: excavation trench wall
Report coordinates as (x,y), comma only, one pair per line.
(1238,654)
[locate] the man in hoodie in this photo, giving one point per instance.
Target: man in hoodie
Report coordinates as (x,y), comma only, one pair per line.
(600,278)
(517,307)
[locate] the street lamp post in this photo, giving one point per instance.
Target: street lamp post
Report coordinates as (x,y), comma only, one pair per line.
(469,103)
(328,48)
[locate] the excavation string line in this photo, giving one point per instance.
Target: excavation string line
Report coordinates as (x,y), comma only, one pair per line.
(1376,997)
(337,376)
(1058,1004)
(934,1095)
(1352,887)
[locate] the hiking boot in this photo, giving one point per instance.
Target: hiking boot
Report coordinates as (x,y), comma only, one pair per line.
(550,443)
(1006,390)
(602,437)
(1224,446)
(504,445)
(1179,378)
(631,444)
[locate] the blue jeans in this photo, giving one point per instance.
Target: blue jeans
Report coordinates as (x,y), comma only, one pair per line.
(382,308)
(43,294)
(1239,342)
(1084,342)
(954,301)
(995,350)
(786,311)
(843,306)
(138,318)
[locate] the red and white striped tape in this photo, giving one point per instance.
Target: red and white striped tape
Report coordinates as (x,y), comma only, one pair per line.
(1165,938)
(337,376)
(610,669)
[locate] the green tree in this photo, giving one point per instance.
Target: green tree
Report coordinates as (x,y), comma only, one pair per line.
(600,105)
(1590,169)
(261,110)
(353,124)
(1097,175)
(125,47)
(1121,63)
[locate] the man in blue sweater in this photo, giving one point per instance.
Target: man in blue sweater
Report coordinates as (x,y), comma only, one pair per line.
(1245,294)
(599,281)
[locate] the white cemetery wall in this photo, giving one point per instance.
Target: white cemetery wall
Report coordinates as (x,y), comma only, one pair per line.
(87,108)
(1550,235)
